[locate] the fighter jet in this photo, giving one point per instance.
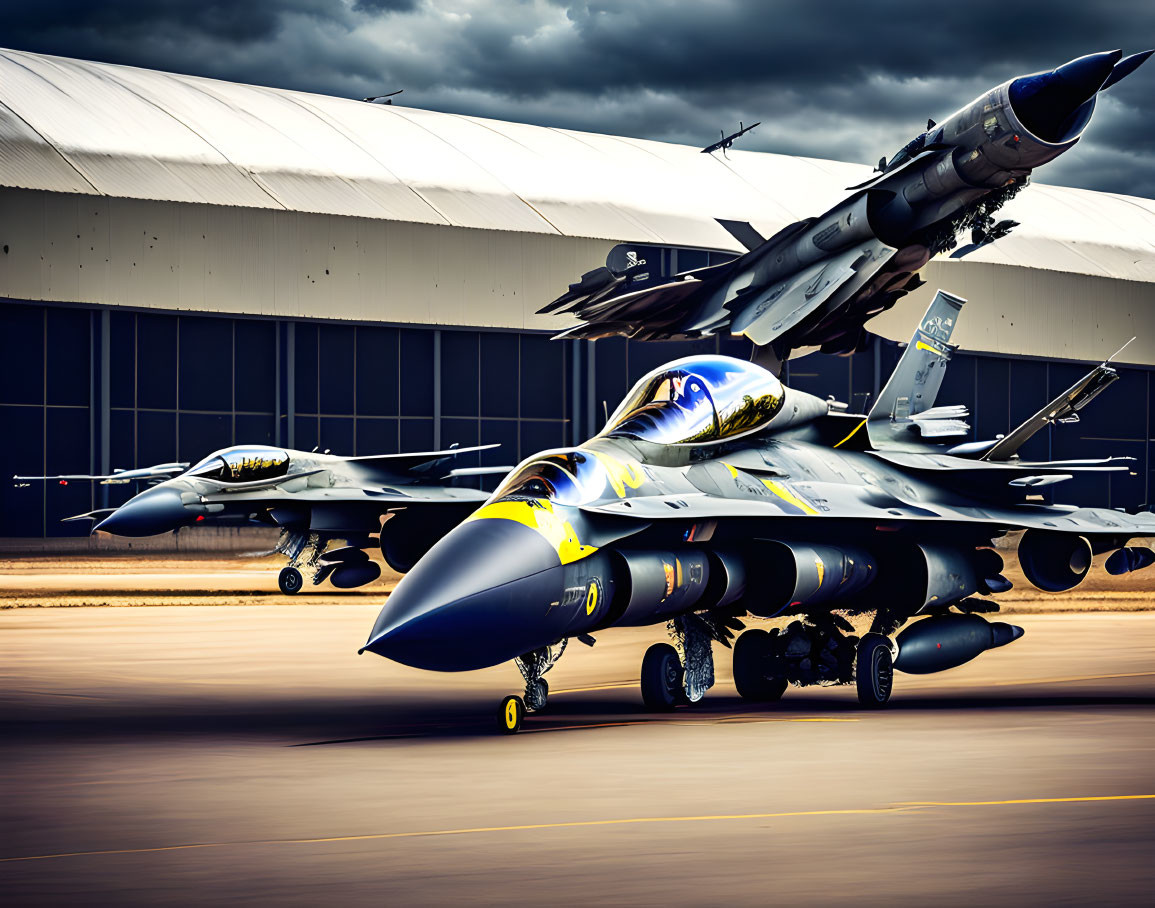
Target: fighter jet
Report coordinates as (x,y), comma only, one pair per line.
(727,141)
(817,282)
(314,498)
(714,491)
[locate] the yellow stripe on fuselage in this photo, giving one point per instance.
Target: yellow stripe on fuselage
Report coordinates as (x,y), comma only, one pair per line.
(789,497)
(539,515)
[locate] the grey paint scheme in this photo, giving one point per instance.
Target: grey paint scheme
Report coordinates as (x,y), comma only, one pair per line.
(818,281)
(813,512)
(314,498)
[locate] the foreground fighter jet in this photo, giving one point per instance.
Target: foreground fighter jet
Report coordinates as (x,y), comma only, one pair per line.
(315,498)
(714,491)
(816,282)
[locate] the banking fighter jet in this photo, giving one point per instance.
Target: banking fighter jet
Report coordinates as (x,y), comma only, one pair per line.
(714,491)
(410,500)
(815,283)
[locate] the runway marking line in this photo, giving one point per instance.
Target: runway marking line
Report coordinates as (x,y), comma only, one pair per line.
(1071,679)
(907,807)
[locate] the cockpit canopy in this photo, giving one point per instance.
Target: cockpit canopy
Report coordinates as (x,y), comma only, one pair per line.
(242,464)
(567,476)
(698,400)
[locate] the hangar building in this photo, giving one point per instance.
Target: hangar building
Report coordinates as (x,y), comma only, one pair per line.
(188,263)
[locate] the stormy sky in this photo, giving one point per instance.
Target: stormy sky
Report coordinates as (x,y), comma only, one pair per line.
(829,78)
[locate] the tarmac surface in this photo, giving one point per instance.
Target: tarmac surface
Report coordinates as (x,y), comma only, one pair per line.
(183,754)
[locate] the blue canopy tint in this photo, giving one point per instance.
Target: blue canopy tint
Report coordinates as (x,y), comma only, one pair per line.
(698,400)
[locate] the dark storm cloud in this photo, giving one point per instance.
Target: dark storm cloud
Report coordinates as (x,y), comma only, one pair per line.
(838,79)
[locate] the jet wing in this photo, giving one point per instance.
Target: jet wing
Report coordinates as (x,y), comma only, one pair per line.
(1064,407)
(160,471)
(785,305)
(410,461)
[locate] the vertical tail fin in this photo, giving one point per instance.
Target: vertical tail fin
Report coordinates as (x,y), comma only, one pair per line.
(913,386)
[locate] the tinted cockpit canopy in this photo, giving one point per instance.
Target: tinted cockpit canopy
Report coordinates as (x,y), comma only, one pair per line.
(243,464)
(698,400)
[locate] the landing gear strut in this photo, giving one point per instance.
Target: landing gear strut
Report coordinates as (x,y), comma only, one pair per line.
(295,544)
(532,666)
(681,674)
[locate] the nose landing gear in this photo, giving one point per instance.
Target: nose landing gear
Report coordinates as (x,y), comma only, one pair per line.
(532,666)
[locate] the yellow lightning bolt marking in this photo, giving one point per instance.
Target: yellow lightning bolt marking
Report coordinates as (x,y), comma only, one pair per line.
(789,497)
(622,473)
(851,435)
(921,345)
(540,516)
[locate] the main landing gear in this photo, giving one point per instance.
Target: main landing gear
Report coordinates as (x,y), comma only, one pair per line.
(679,675)
(291,580)
(815,652)
(532,666)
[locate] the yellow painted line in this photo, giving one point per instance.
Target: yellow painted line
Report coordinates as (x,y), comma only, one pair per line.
(851,435)
(579,824)
(1071,679)
(583,690)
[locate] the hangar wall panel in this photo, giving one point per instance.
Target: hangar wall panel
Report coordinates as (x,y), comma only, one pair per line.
(165,255)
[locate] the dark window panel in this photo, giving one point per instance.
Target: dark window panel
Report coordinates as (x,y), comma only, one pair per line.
(203,433)
(255,429)
(336,369)
(155,438)
(376,436)
(69,356)
(416,435)
(337,435)
(463,433)
(156,361)
(543,378)
(540,436)
(504,433)
(122,358)
(610,375)
(21,510)
(256,365)
(66,433)
(377,372)
(306,430)
(121,454)
(459,373)
(500,359)
(21,354)
(416,374)
(990,418)
(206,364)
(305,367)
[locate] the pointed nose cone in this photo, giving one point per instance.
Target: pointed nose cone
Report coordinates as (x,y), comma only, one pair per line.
(151,512)
(1056,106)
(1003,633)
(1084,76)
(481,596)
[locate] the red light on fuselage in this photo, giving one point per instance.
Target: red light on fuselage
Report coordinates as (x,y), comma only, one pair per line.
(64,482)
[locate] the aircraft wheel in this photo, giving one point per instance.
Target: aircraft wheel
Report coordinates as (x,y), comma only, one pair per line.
(510,714)
(290,581)
(874,671)
(661,678)
(750,651)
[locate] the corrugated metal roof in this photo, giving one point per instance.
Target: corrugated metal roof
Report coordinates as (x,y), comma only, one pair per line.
(79,127)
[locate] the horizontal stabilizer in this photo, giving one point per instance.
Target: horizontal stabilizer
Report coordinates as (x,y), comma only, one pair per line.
(743,232)
(95,516)
(913,386)
(1065,406)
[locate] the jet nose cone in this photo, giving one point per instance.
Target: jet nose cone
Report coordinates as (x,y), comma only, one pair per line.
(1056,106)
(1085,76)
(481,596)
(149,513)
